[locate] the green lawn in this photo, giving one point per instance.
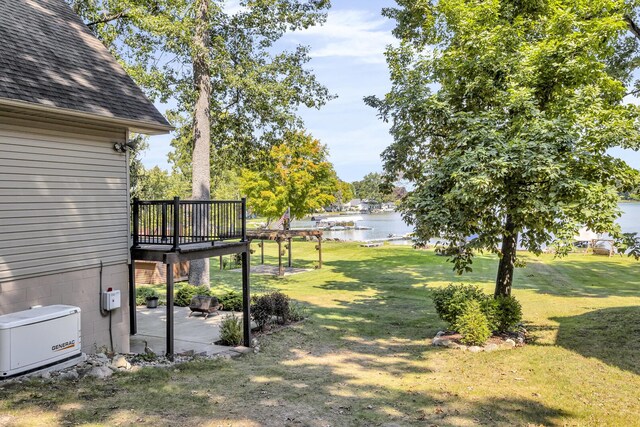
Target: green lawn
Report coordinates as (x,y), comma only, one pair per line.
(363,357)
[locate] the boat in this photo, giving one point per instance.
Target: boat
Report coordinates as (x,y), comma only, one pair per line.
(345,222)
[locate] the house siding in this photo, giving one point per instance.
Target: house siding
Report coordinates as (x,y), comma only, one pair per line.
(63,210)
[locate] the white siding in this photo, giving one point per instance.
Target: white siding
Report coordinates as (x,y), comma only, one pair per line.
(63,197)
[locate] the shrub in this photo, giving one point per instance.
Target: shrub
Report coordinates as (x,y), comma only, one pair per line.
(451,301)
(473,324)
(297,311)
(262,309)
(280,306)
(231,301)
(143,292)
(186,292)
(231,330)
(508,313)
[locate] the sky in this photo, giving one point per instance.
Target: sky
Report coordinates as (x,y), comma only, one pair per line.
(348,58)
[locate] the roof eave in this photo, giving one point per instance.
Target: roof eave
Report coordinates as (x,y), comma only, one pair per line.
(137,126)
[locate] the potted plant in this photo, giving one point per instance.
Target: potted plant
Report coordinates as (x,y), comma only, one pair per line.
(152,299)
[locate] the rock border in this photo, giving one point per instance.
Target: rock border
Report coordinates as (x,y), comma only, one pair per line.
(101,366)
(441,340)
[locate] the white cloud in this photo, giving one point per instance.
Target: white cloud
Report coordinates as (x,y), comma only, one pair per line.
(358,34)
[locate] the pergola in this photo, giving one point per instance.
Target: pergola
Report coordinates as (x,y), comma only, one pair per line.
(280,236)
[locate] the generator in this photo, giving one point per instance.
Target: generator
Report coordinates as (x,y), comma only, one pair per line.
(38,338)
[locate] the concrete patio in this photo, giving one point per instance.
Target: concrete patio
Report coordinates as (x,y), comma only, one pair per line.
(190,333)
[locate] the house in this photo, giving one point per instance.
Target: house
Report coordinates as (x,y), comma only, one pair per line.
(363,205)
(66,111)
(67,228)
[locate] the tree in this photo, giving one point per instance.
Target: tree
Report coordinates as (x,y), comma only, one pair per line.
(221,68)
(297,176)
(159,184)
(343,194)
(373,187)
(502,113)
(369,187)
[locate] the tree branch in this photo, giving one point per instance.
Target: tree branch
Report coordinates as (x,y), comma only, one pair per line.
(632,26)
(108,18)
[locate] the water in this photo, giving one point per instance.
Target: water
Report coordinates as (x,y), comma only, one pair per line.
(630,219)
(384,224)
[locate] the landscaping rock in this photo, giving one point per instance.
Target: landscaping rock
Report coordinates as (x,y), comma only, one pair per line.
(440,342)
(242,349)
(69,375)
(100,372)
(491,347)
(120,362)
(509,343)
(450,344)
(439,334)
(475,349)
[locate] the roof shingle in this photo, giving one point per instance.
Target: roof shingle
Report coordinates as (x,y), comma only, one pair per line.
(50,58)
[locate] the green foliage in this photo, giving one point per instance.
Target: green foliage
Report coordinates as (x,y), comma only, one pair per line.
(231,301)
(275,304)
(144,292)
(231,330)
(504,128)
(629,243)
(507,312)
(297,176)
(297,311)
(256,88)
(262,309)
(369,187)
(158,184)
(280,306)
(502,313)
(187,292)
(373,187)
(344,193)
(473,324)
(451,301)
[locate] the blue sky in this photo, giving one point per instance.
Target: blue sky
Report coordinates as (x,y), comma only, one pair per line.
(347,57)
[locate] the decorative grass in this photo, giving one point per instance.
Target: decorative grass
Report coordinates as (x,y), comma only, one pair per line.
(363,357)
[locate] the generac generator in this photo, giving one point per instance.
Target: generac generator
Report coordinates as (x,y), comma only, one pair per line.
(37,338)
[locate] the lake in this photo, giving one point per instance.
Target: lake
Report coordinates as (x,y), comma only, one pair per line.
(384,224)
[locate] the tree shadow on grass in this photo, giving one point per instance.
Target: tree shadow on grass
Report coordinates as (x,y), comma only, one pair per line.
(611,335)
(592,277)
(290,389)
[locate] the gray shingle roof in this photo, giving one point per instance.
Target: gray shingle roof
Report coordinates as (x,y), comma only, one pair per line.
(48,57)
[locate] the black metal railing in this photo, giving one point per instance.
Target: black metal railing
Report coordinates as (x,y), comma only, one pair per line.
(182,222)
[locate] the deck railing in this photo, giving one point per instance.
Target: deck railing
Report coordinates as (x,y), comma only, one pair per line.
(182,222)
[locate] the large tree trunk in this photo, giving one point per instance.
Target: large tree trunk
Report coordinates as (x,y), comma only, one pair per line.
(201,173)
(504,280)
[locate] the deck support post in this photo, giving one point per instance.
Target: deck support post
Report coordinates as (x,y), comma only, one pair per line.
(133,324)
(169,352)
(289,264)
(280,267)
(246,297)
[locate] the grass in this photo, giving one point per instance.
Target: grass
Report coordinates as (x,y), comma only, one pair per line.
(363,357)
